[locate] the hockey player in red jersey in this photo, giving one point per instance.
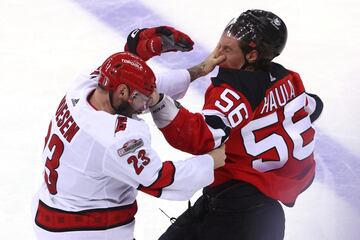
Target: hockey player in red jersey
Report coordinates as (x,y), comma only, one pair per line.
(264,114)
(98,154)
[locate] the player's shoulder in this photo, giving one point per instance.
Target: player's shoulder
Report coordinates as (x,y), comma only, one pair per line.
(105,128)
(213,92)
(226,102)
(119,129)
(84,79)
(223,98)
(126,126)
(250,85)
(277,71)
(130,135)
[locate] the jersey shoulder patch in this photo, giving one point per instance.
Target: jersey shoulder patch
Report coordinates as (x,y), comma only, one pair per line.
(130,146)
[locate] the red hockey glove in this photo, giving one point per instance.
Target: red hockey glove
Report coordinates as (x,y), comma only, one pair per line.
(149,42)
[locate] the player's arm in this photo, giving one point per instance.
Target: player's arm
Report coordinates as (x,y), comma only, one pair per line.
(206,66)
(175,83)
(197,133)
(179,180)
(314,106)
(144,170)
(150,42)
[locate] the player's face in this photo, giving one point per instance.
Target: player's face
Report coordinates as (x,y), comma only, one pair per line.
(234,56)
(128,103)
(139,102)
(123,108)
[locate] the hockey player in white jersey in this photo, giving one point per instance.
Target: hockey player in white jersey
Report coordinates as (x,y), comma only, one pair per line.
(98,154)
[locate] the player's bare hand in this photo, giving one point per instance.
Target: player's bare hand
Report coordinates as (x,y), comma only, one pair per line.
(214,59)
(219,156)
(208,65)
(154,98)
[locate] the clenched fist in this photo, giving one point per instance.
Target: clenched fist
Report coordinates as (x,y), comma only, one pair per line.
(149,42)
(219,156)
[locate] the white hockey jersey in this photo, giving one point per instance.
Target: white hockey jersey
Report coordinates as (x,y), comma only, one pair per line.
(95,163)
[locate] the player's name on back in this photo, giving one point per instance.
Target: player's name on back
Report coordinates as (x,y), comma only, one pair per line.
(278,97)
(65,122)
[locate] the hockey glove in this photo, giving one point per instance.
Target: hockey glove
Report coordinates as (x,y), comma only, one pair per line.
(150,42)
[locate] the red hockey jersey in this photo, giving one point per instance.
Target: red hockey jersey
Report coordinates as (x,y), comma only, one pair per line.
(265,116)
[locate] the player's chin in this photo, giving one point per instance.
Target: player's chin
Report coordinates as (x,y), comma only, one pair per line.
(138,112)
(224,65)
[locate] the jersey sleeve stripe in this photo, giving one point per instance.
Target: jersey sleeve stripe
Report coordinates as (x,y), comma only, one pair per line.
(315,105)
(211,112)
(218,128)
(166,178)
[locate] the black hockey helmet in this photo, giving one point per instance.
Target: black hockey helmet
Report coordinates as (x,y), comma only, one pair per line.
(260,30)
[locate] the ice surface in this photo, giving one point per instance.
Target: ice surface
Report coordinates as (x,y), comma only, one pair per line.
(44,43)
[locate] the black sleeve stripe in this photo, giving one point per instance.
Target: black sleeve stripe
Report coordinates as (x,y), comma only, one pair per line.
(318,109)
(217,123)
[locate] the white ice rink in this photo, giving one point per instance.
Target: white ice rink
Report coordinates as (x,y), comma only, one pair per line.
(45,43)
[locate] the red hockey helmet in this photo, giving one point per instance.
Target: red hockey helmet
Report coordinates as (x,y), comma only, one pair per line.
(126,68)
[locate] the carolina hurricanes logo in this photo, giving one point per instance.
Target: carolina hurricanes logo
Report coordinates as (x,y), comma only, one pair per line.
(120,124)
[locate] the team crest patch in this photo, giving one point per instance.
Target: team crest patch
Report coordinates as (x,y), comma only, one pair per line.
(130,146)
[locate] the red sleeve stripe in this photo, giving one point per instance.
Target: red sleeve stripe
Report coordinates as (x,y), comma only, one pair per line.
(166,178)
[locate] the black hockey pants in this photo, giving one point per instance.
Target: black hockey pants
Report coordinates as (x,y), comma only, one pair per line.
(232,211)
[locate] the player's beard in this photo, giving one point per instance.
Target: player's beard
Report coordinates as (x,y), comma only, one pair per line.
(125,109)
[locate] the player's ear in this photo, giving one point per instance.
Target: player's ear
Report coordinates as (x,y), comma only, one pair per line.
(252,56)
(122,91)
